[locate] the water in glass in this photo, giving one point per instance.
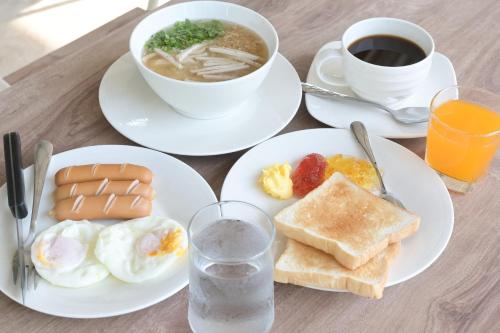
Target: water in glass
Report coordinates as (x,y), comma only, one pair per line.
(231,279)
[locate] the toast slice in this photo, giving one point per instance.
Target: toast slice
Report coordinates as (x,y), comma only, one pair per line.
(306,266)
(346,221)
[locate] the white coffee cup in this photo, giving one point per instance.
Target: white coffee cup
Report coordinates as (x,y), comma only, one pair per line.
(337,66)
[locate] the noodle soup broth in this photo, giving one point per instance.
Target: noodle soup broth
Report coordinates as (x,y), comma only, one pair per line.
(205,51)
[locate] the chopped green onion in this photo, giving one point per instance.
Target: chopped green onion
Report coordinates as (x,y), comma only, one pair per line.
(184,34)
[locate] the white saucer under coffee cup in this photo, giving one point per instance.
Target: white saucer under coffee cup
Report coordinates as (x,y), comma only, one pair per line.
(337,66)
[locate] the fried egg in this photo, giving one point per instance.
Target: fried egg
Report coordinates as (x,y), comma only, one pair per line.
(141,249)
(64,254)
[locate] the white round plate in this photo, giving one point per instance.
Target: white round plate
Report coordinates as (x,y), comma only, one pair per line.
(340,113)
(405,174)
(180,192)
(134,110)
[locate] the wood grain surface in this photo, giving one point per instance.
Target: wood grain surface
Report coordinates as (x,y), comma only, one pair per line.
(55,98)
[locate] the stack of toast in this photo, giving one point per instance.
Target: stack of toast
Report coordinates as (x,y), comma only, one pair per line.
(342,237)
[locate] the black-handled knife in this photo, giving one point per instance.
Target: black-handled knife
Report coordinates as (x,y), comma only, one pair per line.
(15,193)
(14,175)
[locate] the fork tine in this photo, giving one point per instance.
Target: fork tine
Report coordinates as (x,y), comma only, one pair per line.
(26,273)
(15,268)
(35,278)
(31,277)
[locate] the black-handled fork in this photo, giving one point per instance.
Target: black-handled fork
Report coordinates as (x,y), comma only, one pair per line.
(15,193)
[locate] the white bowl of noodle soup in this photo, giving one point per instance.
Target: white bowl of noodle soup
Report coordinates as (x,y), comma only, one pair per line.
(204,100)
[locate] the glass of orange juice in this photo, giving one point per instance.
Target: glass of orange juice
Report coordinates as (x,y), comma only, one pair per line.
(463,135)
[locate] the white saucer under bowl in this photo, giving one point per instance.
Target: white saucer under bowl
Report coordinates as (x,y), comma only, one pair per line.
(134,110)
(340,113)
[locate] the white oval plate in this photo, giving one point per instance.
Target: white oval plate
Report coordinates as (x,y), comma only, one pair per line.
(405,174)
(180,192)
(134,110)
(340,113)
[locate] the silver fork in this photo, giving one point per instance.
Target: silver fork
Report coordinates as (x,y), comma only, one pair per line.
(359,131)
(43,154)
(409,115)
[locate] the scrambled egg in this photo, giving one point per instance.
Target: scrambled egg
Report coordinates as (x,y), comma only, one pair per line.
(275,181)
(358,171)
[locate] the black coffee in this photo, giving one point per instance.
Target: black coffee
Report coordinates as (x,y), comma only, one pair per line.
(386,50)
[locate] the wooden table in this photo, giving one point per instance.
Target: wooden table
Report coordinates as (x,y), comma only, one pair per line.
(55,98)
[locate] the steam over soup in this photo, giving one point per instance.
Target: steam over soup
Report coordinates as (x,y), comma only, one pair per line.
(205,51)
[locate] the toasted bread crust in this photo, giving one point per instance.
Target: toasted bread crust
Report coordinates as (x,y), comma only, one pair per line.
(353,281)
(332,247)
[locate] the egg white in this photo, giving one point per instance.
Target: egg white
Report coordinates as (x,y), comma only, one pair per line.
(87,272)
(116,248)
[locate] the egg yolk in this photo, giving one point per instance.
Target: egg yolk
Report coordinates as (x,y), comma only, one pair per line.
(275,181)
(180,252)
(41,257)
(169,243)
(359,171)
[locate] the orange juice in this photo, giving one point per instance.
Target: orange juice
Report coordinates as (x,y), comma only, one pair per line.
(462,139)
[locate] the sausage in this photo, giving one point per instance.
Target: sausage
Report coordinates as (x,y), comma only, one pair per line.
(105,186)
(91,172)
(109,206)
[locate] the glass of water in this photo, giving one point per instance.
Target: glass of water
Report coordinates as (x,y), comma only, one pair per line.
(231,269)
